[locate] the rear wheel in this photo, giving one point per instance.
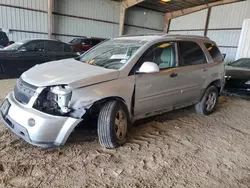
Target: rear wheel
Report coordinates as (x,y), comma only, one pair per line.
(113,123)
(209,101)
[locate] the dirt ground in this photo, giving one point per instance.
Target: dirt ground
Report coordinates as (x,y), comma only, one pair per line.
(178,149)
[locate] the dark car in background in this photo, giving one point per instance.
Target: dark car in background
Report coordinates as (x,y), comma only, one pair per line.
(84,44)
(21,56)
(238,77)
(4,40)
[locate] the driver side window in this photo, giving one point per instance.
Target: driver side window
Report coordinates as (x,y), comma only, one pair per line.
(163,54)
(30,47)
(37,46)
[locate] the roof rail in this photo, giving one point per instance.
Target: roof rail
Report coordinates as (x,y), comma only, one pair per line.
(162,34)
(144,34)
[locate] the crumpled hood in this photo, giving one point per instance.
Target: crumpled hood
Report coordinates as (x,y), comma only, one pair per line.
(68,71)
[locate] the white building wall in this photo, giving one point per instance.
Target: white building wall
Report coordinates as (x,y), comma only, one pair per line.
(24,18)
(224,26)
(244,41)
(195,21)
(141,20)
(95,18)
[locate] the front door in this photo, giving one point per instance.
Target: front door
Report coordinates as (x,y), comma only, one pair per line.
(26,57)
(157,91)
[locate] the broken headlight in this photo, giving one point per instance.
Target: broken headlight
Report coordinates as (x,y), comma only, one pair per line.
(54,100)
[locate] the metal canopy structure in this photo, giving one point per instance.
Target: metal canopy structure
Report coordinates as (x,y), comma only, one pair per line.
(171,8)
(173,5)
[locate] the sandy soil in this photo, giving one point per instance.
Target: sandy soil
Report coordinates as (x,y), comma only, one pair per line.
(178,149)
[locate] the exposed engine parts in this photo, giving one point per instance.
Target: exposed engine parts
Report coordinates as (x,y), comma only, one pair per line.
(54,100)
(63,96)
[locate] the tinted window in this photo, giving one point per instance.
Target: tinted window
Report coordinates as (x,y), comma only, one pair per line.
(30,46)
(86,41)
(67,48)
(3,36)
(190,53)
(54,46)
(163,54)
(35,46)
(95,41)
(214,52)
(39,46)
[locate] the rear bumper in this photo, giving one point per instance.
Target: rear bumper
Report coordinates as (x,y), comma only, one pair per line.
(48,130)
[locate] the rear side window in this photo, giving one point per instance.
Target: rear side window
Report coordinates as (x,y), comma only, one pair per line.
(214,52)
(190,53)
(54,46)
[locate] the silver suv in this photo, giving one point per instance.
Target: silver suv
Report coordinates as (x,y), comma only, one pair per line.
(119,81)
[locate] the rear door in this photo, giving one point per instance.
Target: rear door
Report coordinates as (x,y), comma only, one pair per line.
(191,71)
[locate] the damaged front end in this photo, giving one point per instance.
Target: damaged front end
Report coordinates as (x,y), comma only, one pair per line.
(42,116)
(54,100)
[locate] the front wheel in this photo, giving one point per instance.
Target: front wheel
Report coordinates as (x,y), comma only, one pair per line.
(209,101)
(113,123)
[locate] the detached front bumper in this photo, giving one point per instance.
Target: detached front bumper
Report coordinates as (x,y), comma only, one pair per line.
(44,131)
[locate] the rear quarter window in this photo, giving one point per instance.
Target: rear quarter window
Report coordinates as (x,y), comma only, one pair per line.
(214,52)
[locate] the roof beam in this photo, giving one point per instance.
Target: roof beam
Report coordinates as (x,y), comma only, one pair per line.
(175,14)
(130,3)
(124,5)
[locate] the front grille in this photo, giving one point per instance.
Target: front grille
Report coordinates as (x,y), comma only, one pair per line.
(24,91)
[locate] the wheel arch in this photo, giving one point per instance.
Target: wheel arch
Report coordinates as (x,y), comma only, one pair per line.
(96,106)
(217,83)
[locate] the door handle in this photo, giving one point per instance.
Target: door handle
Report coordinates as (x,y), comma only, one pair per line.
(173,74)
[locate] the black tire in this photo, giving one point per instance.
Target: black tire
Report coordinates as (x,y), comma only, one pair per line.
(201,107)
(106,126)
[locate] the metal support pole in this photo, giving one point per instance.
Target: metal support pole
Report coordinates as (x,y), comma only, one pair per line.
(207,21)
(50,19)
(167,22)
(122,19)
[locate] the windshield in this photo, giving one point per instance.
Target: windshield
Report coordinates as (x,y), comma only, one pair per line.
(15,46)
(244,63)
(112,54)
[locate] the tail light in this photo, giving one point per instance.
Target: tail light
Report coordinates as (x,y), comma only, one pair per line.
(9,43)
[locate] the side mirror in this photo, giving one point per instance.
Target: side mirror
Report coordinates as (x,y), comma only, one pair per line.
(23,49)
(149,67)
